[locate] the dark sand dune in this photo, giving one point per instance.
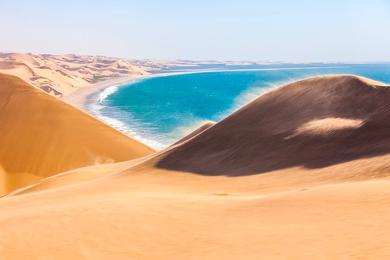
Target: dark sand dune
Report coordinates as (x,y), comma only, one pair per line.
(312,123)
(41,136)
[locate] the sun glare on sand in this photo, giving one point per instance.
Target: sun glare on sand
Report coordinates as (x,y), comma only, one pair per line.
(327,125)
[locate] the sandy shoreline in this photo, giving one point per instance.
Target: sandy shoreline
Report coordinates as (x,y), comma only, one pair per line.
(84,96)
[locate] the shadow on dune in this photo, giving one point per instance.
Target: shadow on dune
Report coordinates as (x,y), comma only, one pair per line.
(305,124)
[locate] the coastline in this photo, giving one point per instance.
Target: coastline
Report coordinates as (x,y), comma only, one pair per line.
(87,95)
(82,97)
(86,99)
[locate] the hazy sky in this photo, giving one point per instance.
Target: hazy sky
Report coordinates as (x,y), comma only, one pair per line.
(286,30)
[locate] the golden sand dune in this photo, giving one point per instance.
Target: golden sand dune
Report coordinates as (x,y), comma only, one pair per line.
(60,75)
(41,136)
(300,173)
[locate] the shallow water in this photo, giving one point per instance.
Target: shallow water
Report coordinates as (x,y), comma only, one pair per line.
(160,110)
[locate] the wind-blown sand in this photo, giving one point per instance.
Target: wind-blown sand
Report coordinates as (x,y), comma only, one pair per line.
(268,182)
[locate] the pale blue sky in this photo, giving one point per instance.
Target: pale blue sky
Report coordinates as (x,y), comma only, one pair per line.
(286,30)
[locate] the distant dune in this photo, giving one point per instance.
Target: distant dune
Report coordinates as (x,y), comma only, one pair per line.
(60,75)
(300,173)
(41,136)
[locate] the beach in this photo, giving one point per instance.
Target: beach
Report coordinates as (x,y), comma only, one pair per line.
(87,95)
(84,96)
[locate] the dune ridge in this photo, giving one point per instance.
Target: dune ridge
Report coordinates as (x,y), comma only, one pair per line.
(262,184)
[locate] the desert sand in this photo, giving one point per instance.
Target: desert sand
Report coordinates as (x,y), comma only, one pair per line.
(62,75)
(302,172)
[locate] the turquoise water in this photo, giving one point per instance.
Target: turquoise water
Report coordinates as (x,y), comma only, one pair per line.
(160,110)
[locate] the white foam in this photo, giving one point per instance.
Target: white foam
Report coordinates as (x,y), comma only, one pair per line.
(107,92)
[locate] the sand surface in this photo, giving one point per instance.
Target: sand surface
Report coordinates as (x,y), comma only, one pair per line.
(302,172)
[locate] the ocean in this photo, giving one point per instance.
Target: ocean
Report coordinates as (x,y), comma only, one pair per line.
(160,110)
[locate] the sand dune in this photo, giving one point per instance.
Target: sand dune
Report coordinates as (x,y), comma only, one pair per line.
(61,75)
(313,123)
(41,136)
(300,173)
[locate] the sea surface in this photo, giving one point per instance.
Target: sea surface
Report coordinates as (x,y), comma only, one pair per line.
(160,110)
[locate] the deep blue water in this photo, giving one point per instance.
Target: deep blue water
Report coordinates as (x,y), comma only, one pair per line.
(160,110)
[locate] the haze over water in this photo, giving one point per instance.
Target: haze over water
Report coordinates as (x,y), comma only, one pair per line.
(161,110)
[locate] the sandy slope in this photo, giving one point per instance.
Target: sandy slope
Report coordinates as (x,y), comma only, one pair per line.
(41,136)
(348,220)
(320,189)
